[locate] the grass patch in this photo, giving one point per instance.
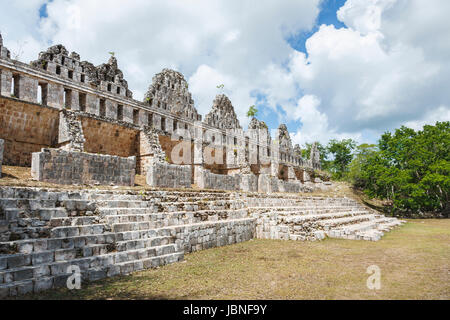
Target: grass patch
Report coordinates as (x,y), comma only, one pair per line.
(414,261)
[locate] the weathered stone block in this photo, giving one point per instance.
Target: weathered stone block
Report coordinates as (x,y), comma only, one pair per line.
(70,167)
(167,175)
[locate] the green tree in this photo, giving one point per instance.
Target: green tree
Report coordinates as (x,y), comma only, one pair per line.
(412,169)
(363,152)
(342,154)
(252,112)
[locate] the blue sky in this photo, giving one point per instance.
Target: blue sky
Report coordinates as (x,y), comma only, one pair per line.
(383,64)
(326,16)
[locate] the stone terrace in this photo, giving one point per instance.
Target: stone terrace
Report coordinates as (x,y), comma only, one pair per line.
(107,233)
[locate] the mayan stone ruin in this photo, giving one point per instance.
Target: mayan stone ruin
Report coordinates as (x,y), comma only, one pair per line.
(209,182)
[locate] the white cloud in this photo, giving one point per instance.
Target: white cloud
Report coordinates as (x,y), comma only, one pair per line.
(315,124)
(388,67)
(376,74)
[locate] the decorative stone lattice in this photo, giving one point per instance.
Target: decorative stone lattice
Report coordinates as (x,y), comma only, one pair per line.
(153,140)
(222,114)
(71,131)
(284,138)
(169,91)
(57,60)
(4,52)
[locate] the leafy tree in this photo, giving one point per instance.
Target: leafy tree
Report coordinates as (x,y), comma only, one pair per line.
(342,153)
(412,169)
(363,152)
(252,112)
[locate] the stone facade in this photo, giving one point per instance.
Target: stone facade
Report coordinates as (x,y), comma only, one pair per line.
(70,167)
(208,180)
(169,91)
(1,155)
(249,182)
(165,175)
(222,114)
(60,101)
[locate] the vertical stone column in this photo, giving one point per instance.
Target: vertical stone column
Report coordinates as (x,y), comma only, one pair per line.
(111,109)
(55,97)
(2,143)
(275,158)
(5,83)
(92,104)
(198,151)
(231,149)
(128,114)
(28,88)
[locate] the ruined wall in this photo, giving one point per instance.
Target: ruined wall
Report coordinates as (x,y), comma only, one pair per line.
(109,138)
(268,184)
(64,167)
(289,186)
(211,235)
(111,119)
(222,114)
(208,180)
(26,128)
(249,183)
(167,175)
(169,91)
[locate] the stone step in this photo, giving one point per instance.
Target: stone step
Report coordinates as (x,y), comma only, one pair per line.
(46,214)
(54,268)
(332,223)
(43,244)
(139,254)
(292,218)
(73,231)
(42,283)
(126,245)
(37,204)
(349,231)
(304,210)
(74,221)
(152,262)
(141,215)
(12,261)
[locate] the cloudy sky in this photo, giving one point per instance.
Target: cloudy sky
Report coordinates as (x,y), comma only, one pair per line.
(328,69)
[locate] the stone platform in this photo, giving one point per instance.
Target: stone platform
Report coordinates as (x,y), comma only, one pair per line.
(107,233)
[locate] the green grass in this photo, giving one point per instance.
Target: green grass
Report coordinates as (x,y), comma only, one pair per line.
(414,261)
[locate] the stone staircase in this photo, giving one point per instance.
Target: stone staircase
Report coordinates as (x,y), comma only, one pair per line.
(314,218)
(111,232)
(104,233)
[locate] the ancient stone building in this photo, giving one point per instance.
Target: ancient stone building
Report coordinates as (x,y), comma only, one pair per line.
(222,114)
(63,102)
(72,123)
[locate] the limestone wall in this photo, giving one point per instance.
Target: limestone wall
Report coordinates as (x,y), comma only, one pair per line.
(249,183)
(289,186)
(109,138)
(64,167)
(1,155)
(208,180)
(215,234)
(268,184)
(168,175)
(26,128)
